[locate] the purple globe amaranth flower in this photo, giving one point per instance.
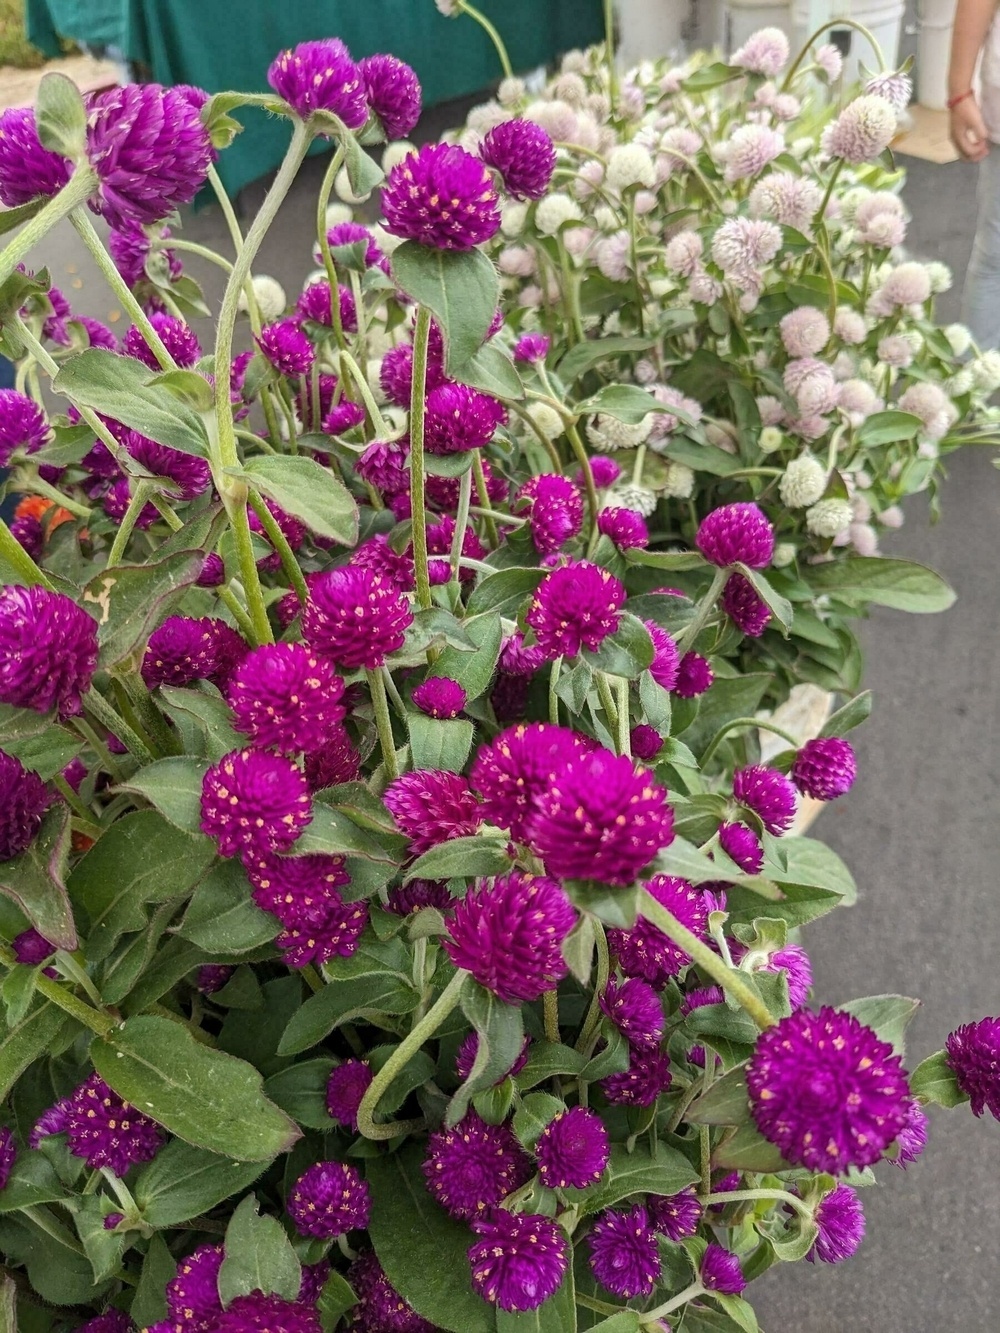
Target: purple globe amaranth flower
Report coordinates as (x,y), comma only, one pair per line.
(212,977)
(514,771)
(972,1053)
(473,1166)
(769,794)
(254,802)
(26,168)
(393,92)
(48,650)
(532,347)
(149,149)
(604,470)
(676,1215)
(336,934)
(192,1295)
(24,798)
(29,947)
(742,845)
(257,1313)
(384,466)
(574,607)
(626,528)
(508,933)
(316,304)
(377,555)
(355,617)
(440,697)
(98,334)
(645,741)
(666,663)
(624,1252)
(52,1121)
(8,1152)
(111,1321)
(328,1200)
(179,340)
(345,1089)
(380,1308)
(396,372)
(118,499)
(721,1271)
(634,1008)
(555,510)
(130,247)
(292,529)
(432,806)
(459,418)
(344,417)
(22,424)
(338,761)
(744,606)
(736,534)
(190,476)
(440,540)
(182,650)
(29,534)
(321,76)
(442,197)
(912,1138)
(825,768)
(644,951)
(602,818)
(286,697)
(298,890)
(519,1260)
(840,1218)
(469,1048)
(647,1076)
(523,154)
(314,1278)
(213,571)
(794,962)
(108,1132)
(572,1149)
(826,1091)
(287,347)
(694,676)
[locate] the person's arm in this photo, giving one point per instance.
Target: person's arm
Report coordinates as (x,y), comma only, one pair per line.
(972,24)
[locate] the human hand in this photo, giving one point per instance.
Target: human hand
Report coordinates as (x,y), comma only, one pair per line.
(967,130)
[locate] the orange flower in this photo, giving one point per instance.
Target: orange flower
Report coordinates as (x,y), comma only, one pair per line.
(34,506)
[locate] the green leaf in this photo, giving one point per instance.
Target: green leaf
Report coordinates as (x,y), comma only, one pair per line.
(103,1248)
(711,76)
(900,584)
(725,1103)
(121,388)
(665,1171)
(210,714)
(748,1150)
(780,607)
(47,754)
(810,862)
(205,1097)
(301,1091)
(363,172)
(853,713)
(335,833)
(461,290)
(376,991)
(173,786)
(702,457)
(504,592)
(22,1044)
(140,859)
(536,1111)
(336,1298)
(439,743)
(626,402)
(32,1181)
(468,858)
(11,218)
(739,1311)
(546,1059)
(34,880)
(223,917)
(182,1182)
(129,601)
(501,1038)
(628,652)
(626,1321)
(492,370)
(422,1249)
(57,1270)
(677,561)
(738,696)
(888,428)
(615,907)
(473,671)
(60,118)
(578,949)
(887,1015)
(585,355)
(308,491)
(934,1080)
(258,1256)
(556,1315)
(149,1305)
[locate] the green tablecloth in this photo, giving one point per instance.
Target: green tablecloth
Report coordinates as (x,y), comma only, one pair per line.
(219,45)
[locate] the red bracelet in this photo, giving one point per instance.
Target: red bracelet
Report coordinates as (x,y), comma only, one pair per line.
(953,102)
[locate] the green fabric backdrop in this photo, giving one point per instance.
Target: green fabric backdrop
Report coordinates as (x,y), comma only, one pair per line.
(222,44)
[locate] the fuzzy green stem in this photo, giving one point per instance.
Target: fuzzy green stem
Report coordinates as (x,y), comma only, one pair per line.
(609,706)
(688,637)
(593,1020)
(229,598)
(71,798)
(239,520)
(417,402)
(609,50)
(77,190)
(651,1319)
(571,294)
(280,543)
(491,32)
(461,523)
(325,190)
(166,513)
(109,718)
(583,458)
(624,731)
(25,481)
(633,239)
(101,1023)
(383,722)
(554,671)
(371,407)
(550,1013)
(236,233)
(135,507)
(483,495)
(739,723)
(202,251)
(779,1196)
(834,23)
(821,211)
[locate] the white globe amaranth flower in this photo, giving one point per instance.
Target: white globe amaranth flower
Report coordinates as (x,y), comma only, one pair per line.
(530,297)
(784,555)
(613,255)
(512,217)
(770,440)
(804,331)
(645,371)
(703,288)
(337,213)
(961,382)
(547,419)
(892,517)
(843,365)
(896,351)
(683,252)
(803,482)
(661,287)
(771,409)
(723,435)
(764,52)
(569,87)
(395,152)
(679,483)
(558,118)
(510,91)
(607,434)
(864,538)
(959,337)
(644,202)
(828,518)
(748,151)
(449,8)
(742,247)
(626,495)
(863,130)
(517,261)
(577,241)
(613,324)
(828,58)
(599,106)
(940,276)
(269,295)
(487,116)
(894,85)
(986,371)
(907,284)
(342,188)
(858,399)
(932,405)
(385,242)
(850,326)
(590,177)
(574,62)
(811,384)
(556,211)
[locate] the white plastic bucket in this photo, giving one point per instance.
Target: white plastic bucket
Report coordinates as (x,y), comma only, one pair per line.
(934,23)
(648,29)
(882,18)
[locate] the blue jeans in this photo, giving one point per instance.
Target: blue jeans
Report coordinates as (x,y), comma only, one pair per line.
(981,297)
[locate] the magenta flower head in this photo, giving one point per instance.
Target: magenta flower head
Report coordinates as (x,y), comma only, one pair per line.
(634,1008)
(666,663)
(29,947)
(179,340)
(522,153)
(721,1271)
(431,806)
(912,1138)
(459,418)
(508,933)
(572,1149)
(189,475)
(258,1313)
(335,935)
(316,304)
(287,347)
(694,676)
(605,471)
(355,617)
(744,606)
(736,534)
(602,818)
(393,92)
(742,845)
(212,977)
(644,951)
(108,1132)
(48,650)
(826,1091)
(28,533)
(380,1305)
(442,197)
(472,1166)
(26,168)
(676,1215)
(645,741)
(840,1218)
(973,1056)
(111,1321)
(469,1048)
(626,528)
(24,798)
(555,510)
(328,1200)
(624,1252)
(254,802)
(181,651)
(519,1260)
(825,768)
(574,607)
(345,1090)
(321,76)
(439,697)
(532,347)
(193,1294)
(298,890)
(648,1075)
(149,149)
(344,417)
(22,424)
(518,767)
(768,794)
(286,697)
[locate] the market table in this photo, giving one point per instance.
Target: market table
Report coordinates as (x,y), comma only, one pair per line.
(215,46)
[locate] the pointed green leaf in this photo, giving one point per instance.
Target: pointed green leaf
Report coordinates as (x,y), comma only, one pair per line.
(459,287)
(60,118)
(934,1080)
(35,880)
(182,1182)
(173,786)
(901,584)
(665,1171)
(887,1015)
(129,601)
(258,1256)
(149,1305)
(308,491)
(556,1315)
